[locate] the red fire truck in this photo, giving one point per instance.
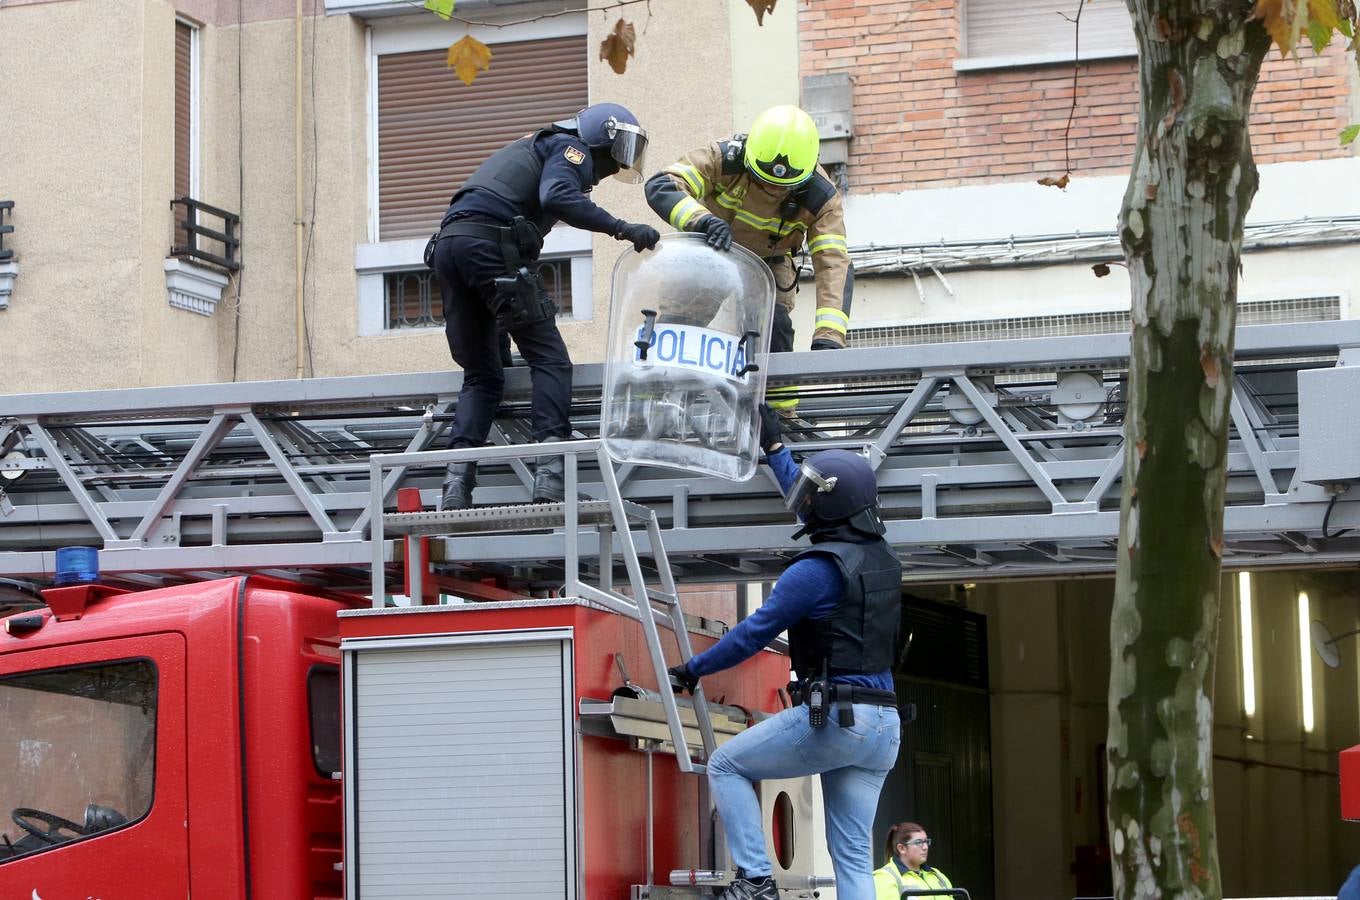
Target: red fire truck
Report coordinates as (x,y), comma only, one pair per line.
(242,738)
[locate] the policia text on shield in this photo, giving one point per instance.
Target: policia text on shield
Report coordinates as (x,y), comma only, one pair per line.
(486,253)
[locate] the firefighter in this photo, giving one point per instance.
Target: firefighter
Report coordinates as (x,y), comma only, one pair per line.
(486,256)
(764,191)
(840,602)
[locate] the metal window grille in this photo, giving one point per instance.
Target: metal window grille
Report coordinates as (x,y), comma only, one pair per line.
(211,245)
(1267,312)
(412,297)
(6,206)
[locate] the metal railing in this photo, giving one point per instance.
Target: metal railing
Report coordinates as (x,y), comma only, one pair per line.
(5,206)
(193,232)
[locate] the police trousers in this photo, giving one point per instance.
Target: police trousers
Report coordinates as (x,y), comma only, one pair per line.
(467,268)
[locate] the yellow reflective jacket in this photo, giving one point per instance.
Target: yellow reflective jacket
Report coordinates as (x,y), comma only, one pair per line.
(715,180)
(891,880)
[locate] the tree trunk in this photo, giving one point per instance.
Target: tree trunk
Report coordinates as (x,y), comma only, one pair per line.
(1181,227)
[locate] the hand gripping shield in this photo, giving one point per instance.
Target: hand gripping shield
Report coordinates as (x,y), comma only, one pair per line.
(689,334)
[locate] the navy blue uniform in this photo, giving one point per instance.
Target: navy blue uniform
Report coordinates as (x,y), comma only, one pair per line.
(468,266)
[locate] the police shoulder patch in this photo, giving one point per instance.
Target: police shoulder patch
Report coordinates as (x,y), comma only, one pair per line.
(574,156)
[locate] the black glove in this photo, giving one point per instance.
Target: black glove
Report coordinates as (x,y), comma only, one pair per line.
(643,237)
(719,232)
(682,680)
(771,435)
(825,344)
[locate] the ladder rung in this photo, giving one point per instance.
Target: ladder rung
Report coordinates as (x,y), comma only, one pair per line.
(483,519)
(662,597)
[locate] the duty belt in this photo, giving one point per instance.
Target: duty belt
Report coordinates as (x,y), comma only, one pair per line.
(843,692)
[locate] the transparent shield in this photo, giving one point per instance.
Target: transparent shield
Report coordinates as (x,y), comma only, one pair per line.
(689,332)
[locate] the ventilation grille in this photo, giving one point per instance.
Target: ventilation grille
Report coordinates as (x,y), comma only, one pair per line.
(1268,312)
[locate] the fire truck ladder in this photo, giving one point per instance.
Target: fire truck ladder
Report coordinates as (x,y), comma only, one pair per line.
(996,459)
(609,516)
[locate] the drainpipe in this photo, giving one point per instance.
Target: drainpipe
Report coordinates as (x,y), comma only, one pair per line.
(297,186)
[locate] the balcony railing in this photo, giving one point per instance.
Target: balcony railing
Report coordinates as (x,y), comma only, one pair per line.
(6,206)
(194,234)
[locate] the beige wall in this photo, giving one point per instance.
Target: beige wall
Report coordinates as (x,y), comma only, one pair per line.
(92,233)
(74,166)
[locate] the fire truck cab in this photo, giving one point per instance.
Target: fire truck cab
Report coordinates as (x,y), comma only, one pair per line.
(175,742)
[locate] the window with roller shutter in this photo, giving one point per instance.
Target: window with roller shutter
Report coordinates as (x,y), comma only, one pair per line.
(1019,32)
(433,130)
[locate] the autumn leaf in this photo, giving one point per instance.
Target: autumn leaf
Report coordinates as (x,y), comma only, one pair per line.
(1060,182)
(616,48)
(441,8)
(1349,134)
(1284,20)
(761,7)
(1101,270)
(468,57)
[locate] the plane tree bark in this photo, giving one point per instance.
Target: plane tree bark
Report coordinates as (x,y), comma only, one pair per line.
(1192,182)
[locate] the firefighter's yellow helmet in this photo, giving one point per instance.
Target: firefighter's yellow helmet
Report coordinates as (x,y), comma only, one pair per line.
(782,146)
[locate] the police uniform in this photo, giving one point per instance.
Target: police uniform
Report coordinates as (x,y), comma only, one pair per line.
(840,603)
(542,178)
(716,180)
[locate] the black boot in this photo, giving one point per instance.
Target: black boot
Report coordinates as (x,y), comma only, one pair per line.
(459,481)
(549,478)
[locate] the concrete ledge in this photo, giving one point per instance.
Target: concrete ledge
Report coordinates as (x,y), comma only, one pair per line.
(8,273)
(192,287)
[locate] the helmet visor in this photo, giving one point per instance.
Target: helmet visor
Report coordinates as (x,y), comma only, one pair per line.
(807,485)
(629,150)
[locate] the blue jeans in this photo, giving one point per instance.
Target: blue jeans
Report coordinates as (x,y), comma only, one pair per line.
(852,762)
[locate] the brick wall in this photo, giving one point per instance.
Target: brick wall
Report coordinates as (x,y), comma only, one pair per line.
(919,124)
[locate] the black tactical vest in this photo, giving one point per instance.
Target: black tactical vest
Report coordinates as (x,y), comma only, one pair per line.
(860,637)
(512,173)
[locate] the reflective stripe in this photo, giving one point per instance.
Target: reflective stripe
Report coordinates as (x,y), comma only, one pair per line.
(823,242)
(776,398)
(691,176)
(783,228)
(684,212)
(832,318)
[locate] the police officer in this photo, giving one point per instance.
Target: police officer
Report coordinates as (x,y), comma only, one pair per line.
(486,257)
(765,191)
(840,602)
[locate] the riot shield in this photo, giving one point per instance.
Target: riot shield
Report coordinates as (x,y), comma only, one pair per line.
(689,333)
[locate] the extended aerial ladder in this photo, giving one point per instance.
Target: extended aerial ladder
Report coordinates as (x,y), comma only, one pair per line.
(995,459)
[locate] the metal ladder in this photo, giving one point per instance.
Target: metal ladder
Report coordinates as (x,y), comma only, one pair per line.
(608,516)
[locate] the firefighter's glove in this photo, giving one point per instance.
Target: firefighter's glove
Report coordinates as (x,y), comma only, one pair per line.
(719,233)
(825,344)
(771,435)
(682,680)
(642,237)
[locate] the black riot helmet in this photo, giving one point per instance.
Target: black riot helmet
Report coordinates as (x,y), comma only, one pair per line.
(614,133)
(836,488)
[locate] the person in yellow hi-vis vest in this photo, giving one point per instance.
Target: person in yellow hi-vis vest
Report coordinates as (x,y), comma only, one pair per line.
(765,191)
(907,848)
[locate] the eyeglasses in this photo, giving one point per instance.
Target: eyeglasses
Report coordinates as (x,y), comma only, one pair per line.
(919,842)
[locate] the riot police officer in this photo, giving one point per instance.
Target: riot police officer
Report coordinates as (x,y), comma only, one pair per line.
(840,602)
(486,256)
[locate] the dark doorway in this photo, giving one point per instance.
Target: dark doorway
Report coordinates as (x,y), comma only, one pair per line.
(943,777)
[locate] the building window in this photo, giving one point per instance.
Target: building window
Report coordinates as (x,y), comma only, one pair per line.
(433,130)
(998,33)
(412,298)
(186,119)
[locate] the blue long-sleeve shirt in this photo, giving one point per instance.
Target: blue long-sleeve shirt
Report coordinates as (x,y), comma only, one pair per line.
(810,588)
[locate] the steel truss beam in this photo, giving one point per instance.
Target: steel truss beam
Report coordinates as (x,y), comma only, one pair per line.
(984,471)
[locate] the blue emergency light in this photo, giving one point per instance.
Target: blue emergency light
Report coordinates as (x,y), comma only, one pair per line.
(77,565)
